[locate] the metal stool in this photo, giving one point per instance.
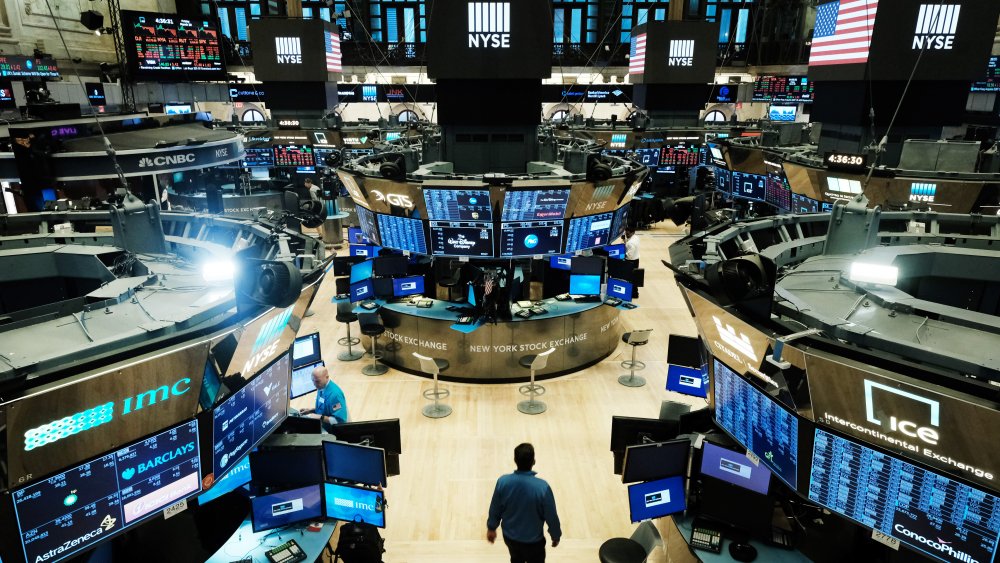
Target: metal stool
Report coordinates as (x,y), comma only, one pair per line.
(371,325)
(534,362)
(633,339)
(434,366)
(346,315)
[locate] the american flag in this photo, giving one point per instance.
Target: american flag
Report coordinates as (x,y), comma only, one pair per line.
(637,55)
(333,60)
(843,32)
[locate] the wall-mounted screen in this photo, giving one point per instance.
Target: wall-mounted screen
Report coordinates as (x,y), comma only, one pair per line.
(167,47)
(588,231)
(18,66)
(458,205)
(769,88)
(749,186)
(530,238)
(461,238)
(258,157)
(294,155)
(402,233)
(534,205)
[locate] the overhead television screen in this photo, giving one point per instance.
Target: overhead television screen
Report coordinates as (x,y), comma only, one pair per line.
(534,205)
(991,80)
(588,232)
(675,52)
(530,238)
(258,157)
(770,88)
(293,50)
(168,47)
(458,204)
(461,238)
(18,66)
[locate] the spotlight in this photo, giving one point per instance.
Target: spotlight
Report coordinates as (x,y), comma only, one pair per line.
(746,282)
(873,273)
(104,31)
(218,271)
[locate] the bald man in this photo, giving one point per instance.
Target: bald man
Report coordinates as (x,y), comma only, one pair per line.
(331,407)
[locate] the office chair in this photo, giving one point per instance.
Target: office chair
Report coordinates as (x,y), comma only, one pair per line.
(434,366)
(635,549)
(534,362)
(634,339)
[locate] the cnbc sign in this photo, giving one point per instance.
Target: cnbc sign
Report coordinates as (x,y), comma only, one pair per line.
(67,422)
(901,415)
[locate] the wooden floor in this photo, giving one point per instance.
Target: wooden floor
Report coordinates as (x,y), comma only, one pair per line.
(437,506)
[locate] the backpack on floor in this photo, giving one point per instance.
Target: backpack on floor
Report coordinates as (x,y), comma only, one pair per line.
(359,543)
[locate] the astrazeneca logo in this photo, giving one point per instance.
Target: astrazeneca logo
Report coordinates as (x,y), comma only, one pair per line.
(681,52)
(936,26)
(146,162)
(489,25)
(936,544)
(908,428)
(288,50)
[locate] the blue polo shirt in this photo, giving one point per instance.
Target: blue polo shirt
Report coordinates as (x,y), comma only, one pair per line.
(523,502)
(330,401)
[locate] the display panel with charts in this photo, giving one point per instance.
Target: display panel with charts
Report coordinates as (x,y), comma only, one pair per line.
(588,231)
(534,205)
(458,204)
(530,238)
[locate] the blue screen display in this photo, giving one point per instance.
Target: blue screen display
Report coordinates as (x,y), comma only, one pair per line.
(620,289)
(688,380)
(580,284)
(402,233)
(733,467)
(244,419)
(366,220)
(361,271)
(781,113)
(355,504)
(356,236)
(362,290)
(656,499)
(471,299)
(930,513)
(749,186)
(354,463)
(78,508)
(534,205)
(616,251)
(588,232)
(412,285)
(237,476)
(287,507)
(364,251)
(530,238)
(461,238)
(562,262)
(757,422)
(458,205)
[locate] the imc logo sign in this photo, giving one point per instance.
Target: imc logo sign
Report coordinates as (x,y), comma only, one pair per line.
(489,25)
(288,50)
(936,26)
(880,398)
(681,52)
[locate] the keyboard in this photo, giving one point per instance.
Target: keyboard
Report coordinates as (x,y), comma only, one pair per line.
(525,314)
(587,298)
(288,552)
(539,310)
(706,539)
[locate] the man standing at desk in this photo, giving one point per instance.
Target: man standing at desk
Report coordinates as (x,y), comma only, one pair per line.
(331,406)
(631,244)
(314,190)
(523,503)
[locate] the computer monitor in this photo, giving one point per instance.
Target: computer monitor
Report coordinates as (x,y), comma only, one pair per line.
(620,289)
(356,236)
(237,476)
(258,173)
(621,269)
(377,433)
(471,297)
(412,285)
(306,350)
(656,499)
(365,251)
(383,287)
(684,350)
(286,467)
(392,265)
(648,462)
(588,265)
(354,463)
(362,290)
(362,271)
(735,507)
(584,284)
(734,467)
(277,510)
(354,504)
(302,383)
(561,262)
(629,431)
(615,251)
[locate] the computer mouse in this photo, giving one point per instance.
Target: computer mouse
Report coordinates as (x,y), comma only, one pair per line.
(742,551)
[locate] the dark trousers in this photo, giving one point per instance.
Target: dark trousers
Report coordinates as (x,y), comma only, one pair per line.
(525,552)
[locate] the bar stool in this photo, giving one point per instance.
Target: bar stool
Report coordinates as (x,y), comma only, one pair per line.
(434,366)
(534,362)
(345,314)
(371,325)
(635,549)
(633,339)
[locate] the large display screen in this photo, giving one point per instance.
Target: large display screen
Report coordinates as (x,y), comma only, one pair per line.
(680,154)
(656,499)
(530,238)
(366,220)
(355,504)
(402,233)
(769,88)
(72,511)
(674,52)
(294,155)
(991,82)
(168,47)
(749,186)
(245,418)
(534,205)
(461,238)
(286,507)
(757,422)
(588,231)
(777,191)
(258,157)
(17,66)
(458,205)
(294,50)
(354,463)
(930,513)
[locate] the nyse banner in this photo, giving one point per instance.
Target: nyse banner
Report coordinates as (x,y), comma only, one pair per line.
(922,424)
(93,413)
(730,339)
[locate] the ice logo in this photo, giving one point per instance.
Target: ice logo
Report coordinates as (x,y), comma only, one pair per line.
(531,241)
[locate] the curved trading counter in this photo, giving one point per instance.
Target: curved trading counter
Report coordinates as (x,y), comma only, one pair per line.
(581,333)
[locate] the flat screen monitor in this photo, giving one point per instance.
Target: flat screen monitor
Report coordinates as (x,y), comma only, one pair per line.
(534,205)
(262,157)
(649,157)
(588,265)
(749,186)
(735,507)
(620,289)
(250,414)
(684,350)
(412,285)
(354,504)
(364,251)
(362,290)
(458,205)
(648,462)
(237,476)
(770,88)
(95,93)
(166,47)
(306,350)
(362,271)
(530,238)
(723,181)
(561,262)
(588,231)
(781,113)
(804,204)
(302,383)
(258,173)
(615,251)
(383,287)
(733,467)
(621,269)
(377,433)
(354,463)
(757,422)
(580,284)
(286,467)
(656,499)
(471,295)
(402,233)
(368,224)
(926,511)
(7,100)
(392,265)
(356,236)
(57,517)
(629,431)
(461,238)
(294,155)
(277,510)
(176,109)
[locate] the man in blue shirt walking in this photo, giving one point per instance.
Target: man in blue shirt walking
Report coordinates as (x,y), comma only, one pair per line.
(331,406)
(523,503)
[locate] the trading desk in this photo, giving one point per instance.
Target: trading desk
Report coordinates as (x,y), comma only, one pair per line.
(581,333)
(678,529)
(232,203)
(244,543)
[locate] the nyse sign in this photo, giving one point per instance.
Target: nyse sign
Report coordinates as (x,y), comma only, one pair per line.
(901,415)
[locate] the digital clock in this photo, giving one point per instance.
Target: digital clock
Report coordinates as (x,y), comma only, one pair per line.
(845,161)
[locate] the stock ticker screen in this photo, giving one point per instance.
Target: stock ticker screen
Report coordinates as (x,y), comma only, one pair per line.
(402,233)
(257,157)
(991,82)
(458,205)
(757,422)
(931,513)
(534,205)
(169,47)
(683,155)
(366,220)
(461,238)
(76,509)
(294,155)
(768,88)
(589,231)
(530,238)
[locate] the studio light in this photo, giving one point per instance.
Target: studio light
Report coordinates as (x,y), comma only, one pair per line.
(92,20)
(276,283)
(746,282)
(862,272)
(216,271)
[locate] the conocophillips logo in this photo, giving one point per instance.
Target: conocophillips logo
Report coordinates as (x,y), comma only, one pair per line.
(489,25)
(681,52)
(936,544)
(936,26)
(166,160)
(906,427)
